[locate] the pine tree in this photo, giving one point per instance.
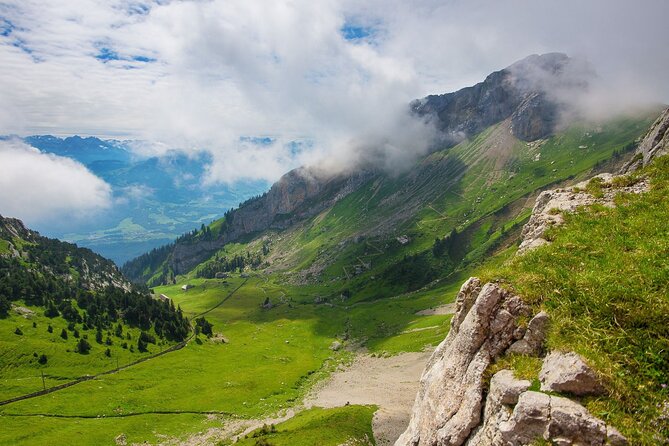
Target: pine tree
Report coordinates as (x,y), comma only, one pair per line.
(83,347)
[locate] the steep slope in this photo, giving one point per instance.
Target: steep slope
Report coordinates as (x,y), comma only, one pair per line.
(350,228)
(532,92)
(76,283)
(598,287)
(453,188)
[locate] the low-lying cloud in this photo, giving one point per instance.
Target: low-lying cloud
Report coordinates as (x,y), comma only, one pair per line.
(38,187)
(194,75)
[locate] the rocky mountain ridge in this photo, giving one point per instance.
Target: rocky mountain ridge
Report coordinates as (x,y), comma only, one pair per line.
(530,92)
(300,194)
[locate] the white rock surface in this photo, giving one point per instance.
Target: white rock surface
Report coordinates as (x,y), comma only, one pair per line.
(551,204)
(532,342)
(450,399)
(568,373)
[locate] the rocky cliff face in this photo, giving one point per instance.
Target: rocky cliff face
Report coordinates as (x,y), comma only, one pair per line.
(456,405)
(532,92)
(299,194)
(655,143)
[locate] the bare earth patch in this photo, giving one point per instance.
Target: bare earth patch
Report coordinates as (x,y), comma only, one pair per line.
(442,309)
(390,383)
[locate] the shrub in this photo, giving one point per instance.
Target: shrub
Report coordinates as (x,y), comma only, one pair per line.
(83,347)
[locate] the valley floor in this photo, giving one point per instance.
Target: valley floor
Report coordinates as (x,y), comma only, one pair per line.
(389,383)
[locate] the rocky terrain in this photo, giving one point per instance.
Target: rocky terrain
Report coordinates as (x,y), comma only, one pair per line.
(601,189)
(527,92)
(456,405)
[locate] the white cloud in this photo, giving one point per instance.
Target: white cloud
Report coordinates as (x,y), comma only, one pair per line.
(36,187)
(202,74)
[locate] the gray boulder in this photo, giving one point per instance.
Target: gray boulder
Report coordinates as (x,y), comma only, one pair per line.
(503,394)
(568,373)
(562,421)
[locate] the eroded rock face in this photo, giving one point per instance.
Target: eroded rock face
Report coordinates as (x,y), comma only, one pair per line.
(568,373)
(504,392)
(449,403)
(560,420)
(655,143)
(455,406)
(526,92)
(551,204)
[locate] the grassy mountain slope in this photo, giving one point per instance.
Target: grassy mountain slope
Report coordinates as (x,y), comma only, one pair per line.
(387,227)
(66,312)
(604,281)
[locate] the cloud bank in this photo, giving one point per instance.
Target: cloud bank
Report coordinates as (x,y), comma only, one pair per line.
(39,187)
(334,76)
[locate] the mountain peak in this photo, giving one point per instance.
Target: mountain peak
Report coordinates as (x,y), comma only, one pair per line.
(532,92)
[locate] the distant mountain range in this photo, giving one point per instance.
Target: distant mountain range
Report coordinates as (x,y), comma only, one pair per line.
(156,199)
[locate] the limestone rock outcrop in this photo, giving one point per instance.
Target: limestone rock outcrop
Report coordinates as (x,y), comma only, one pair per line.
(533,340)
(450,399)
(560,420)
(655,143)
(456,406)
(551,204)
(568,373)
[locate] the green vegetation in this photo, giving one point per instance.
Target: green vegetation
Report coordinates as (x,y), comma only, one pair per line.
(323,427)
(605,282)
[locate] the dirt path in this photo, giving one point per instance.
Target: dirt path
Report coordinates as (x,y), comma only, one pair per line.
(390,383)
(442,309)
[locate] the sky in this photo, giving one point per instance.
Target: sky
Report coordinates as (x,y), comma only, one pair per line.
(315,81)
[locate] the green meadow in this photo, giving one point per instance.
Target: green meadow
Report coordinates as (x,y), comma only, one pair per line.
(268,361)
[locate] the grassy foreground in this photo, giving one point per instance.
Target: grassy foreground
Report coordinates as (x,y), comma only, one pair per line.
(351,425)
(605,283)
